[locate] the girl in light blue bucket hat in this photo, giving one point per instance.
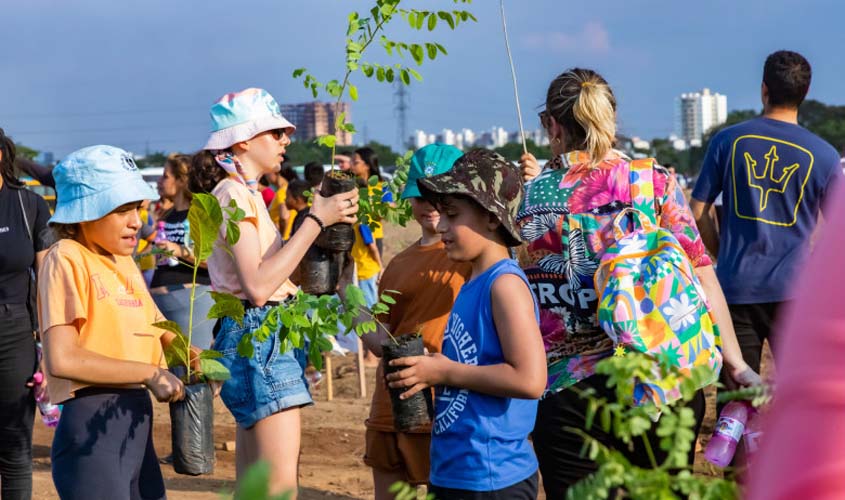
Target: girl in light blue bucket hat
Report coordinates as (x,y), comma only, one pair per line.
(249,136)
(101,351)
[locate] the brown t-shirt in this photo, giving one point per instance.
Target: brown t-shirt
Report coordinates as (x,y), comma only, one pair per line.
(428,283)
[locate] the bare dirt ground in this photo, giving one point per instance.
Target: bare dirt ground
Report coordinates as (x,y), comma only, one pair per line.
(332,438)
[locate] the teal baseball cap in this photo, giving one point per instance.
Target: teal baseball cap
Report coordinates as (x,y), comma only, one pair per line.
(93,181)
(429,160)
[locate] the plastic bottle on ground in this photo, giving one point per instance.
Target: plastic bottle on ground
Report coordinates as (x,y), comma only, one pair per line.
(729,428)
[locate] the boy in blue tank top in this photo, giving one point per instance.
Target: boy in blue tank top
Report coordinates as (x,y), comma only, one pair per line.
(492,367)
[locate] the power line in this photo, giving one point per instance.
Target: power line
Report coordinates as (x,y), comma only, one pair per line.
(100,113)
(107,129)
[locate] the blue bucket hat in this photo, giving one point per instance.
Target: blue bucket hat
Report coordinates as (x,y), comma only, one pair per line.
(93,181)
(429,160)
(240,116)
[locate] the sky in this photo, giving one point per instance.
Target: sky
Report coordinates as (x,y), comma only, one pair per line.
(142,74)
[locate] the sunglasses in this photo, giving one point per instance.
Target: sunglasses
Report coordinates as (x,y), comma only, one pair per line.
(278,133)
(544,119)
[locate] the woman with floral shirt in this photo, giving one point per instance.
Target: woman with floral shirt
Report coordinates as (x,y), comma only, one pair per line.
(567,221)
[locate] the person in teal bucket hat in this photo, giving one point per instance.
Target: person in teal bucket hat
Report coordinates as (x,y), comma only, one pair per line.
(427,282)
(248,139)
(101,350)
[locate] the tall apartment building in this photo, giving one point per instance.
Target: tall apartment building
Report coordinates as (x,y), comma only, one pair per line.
(698,112)
(313,119)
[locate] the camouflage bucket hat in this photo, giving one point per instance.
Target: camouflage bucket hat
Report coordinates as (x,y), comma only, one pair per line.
(490,180)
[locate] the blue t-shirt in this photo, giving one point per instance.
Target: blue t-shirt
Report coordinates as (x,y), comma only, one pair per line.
(774,177)
(480,442)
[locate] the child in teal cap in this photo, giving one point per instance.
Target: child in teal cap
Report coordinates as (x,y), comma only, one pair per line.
(427,282)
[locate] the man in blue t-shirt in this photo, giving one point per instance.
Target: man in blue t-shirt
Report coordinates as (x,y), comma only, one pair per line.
(774,176)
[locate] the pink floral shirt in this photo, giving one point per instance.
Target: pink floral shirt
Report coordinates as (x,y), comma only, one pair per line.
(566,219)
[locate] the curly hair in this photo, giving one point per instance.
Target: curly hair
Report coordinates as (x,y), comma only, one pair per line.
(180,168)
(205,172)
(787,75)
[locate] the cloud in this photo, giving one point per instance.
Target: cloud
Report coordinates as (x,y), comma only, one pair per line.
(592,38)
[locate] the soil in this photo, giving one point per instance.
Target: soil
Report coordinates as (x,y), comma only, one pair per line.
(331,465)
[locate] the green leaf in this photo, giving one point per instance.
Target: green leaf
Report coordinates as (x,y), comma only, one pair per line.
(176,353)
(170,326)
(298,72)
(368,70)
(204,220)
(412,19)
(245,348)
(213,369)
(226,305)
(417,53)
(380,74)
(447,17)
(388,75)
(353,92)
(420,19)
(406,77)
(432,22)
(431,49)
(210,354)
(387,299)
(416,75)
(256,481)
(372,181)
(327,140)
(441,49)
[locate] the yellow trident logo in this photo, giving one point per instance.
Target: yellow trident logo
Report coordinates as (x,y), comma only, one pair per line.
(779,183)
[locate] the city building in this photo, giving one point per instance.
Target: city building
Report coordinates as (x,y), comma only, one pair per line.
(698,112)
(313,119)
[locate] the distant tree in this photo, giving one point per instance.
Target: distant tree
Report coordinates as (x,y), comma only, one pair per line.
(512,151)
(826,121)
(302,152)
(156,159)
(26,152)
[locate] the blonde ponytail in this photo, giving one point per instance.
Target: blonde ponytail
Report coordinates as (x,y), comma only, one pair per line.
(583,104)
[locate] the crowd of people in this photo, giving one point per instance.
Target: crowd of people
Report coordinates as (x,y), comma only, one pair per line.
(511,343)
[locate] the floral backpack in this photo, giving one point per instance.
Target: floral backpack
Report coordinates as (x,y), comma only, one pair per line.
(650,299)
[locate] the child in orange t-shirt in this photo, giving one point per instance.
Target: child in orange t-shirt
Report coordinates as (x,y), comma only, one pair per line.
(427,282)
(100,349)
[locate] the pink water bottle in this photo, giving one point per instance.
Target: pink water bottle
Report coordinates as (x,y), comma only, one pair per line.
(164,260)
(729,428)
(50,413)
(753,433)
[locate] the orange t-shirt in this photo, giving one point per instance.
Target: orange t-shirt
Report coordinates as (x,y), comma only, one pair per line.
(221,265)
(106,299)
(428,283)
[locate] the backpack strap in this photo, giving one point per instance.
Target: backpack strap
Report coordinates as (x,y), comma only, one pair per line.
(642,187)
(25,218)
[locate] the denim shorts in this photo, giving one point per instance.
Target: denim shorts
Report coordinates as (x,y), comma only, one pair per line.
(266,383)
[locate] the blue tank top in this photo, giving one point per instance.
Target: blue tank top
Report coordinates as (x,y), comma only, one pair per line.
(480,442)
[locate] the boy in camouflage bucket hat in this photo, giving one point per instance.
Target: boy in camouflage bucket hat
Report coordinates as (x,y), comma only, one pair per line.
(488,179)
(491,368)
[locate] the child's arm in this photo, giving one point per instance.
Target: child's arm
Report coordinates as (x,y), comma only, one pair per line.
(522,375)
(374,253)
(64,358)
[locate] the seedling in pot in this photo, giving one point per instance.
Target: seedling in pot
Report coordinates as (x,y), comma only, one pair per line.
(205,219)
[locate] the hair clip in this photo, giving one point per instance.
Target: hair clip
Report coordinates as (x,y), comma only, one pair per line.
(587,84)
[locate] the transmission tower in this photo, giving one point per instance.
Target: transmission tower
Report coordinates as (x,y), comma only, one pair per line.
(400,99)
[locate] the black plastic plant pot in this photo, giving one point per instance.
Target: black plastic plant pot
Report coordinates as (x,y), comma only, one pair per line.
(320,271)
(417,410)
(338,237)
(192,433)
